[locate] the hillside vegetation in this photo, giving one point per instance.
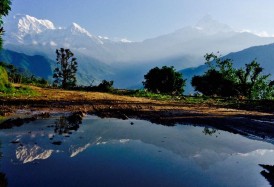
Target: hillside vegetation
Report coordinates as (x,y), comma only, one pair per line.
(4,81)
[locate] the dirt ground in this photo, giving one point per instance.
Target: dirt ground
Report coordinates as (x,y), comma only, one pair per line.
(246,122)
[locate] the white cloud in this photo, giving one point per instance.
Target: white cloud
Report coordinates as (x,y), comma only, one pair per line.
(124,40)
(52,43)
(258,33)
(34,42)
(103,37)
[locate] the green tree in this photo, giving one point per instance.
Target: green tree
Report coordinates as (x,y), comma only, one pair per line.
(219,80)
(252,83)
(65,72)
(223,80)
(214,83)
(165,80)
(4,10)
(223,66)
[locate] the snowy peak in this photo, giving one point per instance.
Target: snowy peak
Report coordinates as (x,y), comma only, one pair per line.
(30,25)
(75,29)
(25,29)
(212,26)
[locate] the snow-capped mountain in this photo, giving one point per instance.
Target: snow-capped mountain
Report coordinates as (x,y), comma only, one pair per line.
(113,59)
(34,33)
(31,25)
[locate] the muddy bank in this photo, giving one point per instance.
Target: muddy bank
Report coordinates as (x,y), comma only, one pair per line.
(247,123)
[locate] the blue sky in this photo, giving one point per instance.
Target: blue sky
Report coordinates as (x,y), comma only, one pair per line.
(141,19)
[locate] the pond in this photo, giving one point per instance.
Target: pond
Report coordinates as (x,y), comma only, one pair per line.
(60,151)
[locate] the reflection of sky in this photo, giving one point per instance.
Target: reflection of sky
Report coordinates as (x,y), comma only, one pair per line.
(229,155)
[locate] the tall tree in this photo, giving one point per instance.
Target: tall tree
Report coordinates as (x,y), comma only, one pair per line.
(65,72)
(252,83)
(4,10)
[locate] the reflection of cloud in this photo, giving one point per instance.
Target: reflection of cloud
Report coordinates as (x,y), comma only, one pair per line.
(260,152)
(124,141)
(27,154)
(206,158)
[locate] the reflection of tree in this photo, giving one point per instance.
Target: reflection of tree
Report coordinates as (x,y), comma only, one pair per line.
(3,178)
(65,124)
(209,131)
(268,173)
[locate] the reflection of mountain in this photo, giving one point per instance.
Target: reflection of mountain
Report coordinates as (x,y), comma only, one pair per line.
(29,153)
(75,151)
(185,142)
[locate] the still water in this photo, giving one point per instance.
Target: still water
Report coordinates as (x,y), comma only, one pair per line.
(112,152)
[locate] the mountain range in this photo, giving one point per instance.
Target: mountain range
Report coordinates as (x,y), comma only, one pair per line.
(124,61)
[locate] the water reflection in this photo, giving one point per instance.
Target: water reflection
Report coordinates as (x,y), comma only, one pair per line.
(268,173)
(3,178)
(112,152)
(30,153)
(209,131)
(66,124)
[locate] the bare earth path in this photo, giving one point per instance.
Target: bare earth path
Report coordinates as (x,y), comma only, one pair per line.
(254,123)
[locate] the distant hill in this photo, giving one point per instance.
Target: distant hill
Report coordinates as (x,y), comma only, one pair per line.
(42,66)
(263,54)
(38,65)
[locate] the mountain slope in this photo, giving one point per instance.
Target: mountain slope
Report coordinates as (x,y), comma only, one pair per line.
(43,67)
(37,65)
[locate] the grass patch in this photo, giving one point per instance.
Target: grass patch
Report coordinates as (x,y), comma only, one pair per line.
(19,91)
(144,94)
(2,119)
